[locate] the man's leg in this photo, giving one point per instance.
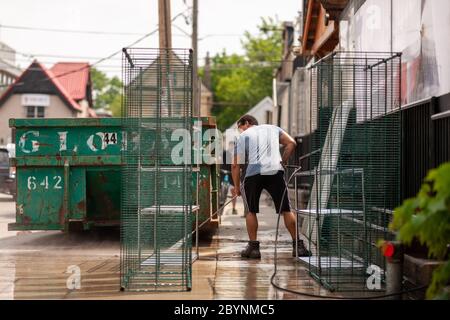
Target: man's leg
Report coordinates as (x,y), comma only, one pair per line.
(276,186)
(298,247)
(252,226)
(252,249)
(233,202)
(290,223)
(252,191)
(280,196)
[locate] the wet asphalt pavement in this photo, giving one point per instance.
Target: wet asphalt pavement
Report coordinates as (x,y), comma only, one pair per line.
(38,264)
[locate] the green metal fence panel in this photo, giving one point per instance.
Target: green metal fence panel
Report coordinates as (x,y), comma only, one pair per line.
(157,195)
(355,167)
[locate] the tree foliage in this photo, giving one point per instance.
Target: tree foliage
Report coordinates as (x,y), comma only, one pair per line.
(239,82)
(107,92)
(427,218)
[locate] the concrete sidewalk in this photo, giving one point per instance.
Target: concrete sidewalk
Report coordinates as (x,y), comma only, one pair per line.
(250,279)
(35,265)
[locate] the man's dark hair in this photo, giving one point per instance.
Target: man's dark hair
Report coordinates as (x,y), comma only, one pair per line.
(247,118)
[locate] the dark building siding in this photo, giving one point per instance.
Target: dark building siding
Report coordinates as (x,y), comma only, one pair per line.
(425,142)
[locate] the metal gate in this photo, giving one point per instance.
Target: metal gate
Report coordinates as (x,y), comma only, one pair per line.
(156,217)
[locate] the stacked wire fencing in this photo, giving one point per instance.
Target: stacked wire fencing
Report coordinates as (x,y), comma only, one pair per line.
(156,217)
(353,163)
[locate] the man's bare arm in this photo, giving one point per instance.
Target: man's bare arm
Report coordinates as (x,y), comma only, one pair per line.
(236,175)
(289,146)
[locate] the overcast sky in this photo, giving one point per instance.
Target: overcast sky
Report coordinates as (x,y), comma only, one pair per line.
(221,24)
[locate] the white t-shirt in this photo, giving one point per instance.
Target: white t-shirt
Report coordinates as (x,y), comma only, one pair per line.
(259,147)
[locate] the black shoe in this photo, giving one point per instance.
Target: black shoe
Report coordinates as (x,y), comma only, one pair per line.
(251,251)
(301,249)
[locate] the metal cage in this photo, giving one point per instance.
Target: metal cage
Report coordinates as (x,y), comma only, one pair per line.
(156,209)
(354,167)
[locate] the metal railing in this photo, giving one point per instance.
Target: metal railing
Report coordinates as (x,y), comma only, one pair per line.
(425,142)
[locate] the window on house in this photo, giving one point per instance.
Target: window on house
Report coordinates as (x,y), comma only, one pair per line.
(40,112)
(35,112)
(269,117)
(30,112)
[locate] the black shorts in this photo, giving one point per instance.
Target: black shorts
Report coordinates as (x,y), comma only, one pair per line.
(275,185)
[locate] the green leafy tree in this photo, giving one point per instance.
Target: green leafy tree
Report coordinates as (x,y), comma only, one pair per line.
(427,218)
(107,92)
(99,80)
(240,82)
(116,106)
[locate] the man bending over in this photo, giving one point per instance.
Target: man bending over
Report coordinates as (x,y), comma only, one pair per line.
(258,147)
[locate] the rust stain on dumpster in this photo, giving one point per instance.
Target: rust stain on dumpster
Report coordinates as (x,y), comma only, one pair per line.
(81,205)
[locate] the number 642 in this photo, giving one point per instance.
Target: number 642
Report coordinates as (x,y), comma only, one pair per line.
(33,183)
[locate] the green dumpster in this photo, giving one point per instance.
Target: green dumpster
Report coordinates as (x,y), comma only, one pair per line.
(68,173)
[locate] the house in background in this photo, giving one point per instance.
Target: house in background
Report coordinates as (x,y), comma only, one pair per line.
(263,112)
(76,79)
(172,104)
(64,91)
(8,70)
(206,95)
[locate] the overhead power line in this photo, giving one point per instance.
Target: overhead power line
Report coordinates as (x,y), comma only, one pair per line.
(46,55)
(109,33)
(220,35)
(111,55)
(70,30)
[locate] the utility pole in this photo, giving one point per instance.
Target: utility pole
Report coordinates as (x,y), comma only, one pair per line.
(165,27)
(196,95)
(165,45)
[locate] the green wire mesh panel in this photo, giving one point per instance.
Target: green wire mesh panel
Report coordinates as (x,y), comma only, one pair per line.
(355,167)
(156,221)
